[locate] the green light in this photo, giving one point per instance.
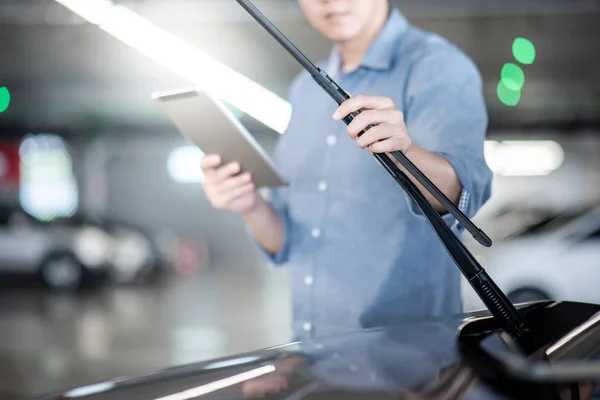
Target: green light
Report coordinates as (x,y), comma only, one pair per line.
(508,96)
(524,51)
(4,99)
(512,76)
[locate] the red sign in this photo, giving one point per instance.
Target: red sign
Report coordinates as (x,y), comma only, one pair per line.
(10,162)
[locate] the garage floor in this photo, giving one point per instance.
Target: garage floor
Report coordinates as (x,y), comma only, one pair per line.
(50,342)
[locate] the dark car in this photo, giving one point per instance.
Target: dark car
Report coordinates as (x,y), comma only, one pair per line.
(465,357)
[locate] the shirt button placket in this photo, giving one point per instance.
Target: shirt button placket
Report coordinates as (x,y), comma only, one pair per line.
(316,233)
(308,282)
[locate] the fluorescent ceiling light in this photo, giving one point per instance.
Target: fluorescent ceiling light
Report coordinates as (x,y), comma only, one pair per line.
(524,157)
(185,60)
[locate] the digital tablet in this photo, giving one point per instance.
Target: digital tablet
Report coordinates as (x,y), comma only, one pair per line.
(212,127)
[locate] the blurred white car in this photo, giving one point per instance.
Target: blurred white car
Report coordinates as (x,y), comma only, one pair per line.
(131,254)
(555,258)
(68,253)
(64,257)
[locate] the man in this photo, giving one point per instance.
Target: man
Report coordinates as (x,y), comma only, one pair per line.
(361,254)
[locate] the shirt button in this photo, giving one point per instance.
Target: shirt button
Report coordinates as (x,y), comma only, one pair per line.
(322,186)
(307,326)
(331,140)
(308,280)
(316,232)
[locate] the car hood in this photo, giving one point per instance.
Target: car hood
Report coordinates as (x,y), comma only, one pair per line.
(371,364)
(410,360)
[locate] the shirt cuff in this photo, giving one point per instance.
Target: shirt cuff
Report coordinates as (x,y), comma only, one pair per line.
(448,218)
(282,256)
(463,203)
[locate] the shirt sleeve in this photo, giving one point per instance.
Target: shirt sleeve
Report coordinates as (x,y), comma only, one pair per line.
(277,198)
(446,114)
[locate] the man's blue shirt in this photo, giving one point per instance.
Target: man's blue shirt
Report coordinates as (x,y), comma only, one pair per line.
(360,252)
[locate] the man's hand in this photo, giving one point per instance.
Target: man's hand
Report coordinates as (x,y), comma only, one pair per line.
(389,132)
(226,190)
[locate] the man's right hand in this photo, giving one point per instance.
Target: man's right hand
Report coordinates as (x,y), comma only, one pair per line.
(228,191)
(225,189)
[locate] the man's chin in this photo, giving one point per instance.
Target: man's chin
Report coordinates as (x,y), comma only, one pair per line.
(340,35)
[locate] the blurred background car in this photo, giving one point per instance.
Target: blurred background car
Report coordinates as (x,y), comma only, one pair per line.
(553,257)
(82,250)
(136,254)
(65,256)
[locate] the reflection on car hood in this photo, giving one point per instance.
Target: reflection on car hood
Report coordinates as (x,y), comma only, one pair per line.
(409,358)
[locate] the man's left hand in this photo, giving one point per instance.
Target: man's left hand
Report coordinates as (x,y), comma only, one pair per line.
(388,133)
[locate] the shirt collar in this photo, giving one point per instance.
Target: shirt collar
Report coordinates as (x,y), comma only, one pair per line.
(381,53)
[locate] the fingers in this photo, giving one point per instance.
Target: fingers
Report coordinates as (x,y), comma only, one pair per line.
(363,102)
(374,135)
(209,166)
(227,171)
(210,161)
(395,143)
(222,184)
(385,138)
(237,192)
(388,131)
(222,199)
(235,182)
(374,117)
(215,174)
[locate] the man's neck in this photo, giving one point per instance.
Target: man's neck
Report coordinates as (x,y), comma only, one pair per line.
(353,51)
